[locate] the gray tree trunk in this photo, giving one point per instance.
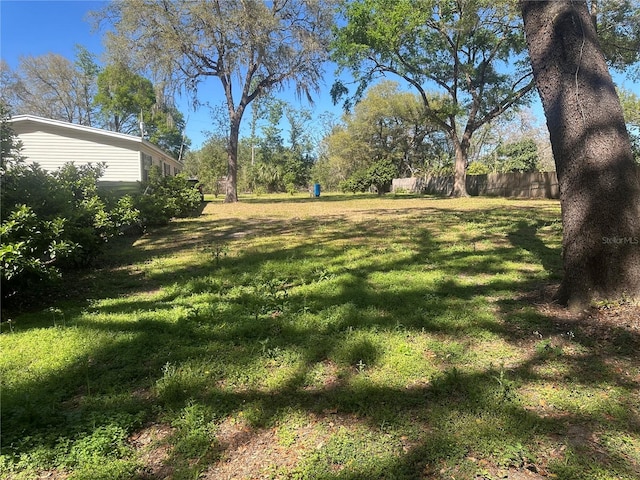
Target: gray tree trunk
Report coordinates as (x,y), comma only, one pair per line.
(599,186)
(231,193)
(460,170)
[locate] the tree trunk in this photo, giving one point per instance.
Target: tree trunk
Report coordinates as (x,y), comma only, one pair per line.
(461,150)
(599,185)
(231,184)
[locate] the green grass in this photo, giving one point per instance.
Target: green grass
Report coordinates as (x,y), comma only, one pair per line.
(343,337)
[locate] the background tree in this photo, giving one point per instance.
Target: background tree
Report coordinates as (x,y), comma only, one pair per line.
(9,81)
(387,124)
(468,49)
(87,70)
(208,164)
(342,156)
(122,97)
(631,109)
(10,146)
(618,27)
(599,187)
(520,156)
(252,47)
(278,164)
(165,127)
(515,128)
(52,86)
(301,155)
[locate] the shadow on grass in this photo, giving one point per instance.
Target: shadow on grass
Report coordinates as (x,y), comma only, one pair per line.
(209,331)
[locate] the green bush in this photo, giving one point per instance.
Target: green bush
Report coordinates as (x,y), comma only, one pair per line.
(164,198)
(380,175)
(30,248)
(477,168)
(357,182)
(92,218)
(520,156)
(54,220)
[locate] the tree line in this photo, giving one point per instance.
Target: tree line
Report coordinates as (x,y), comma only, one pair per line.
(113,97)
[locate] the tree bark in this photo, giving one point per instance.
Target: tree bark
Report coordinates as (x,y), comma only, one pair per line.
(599,182)
(231,185)
(461,149)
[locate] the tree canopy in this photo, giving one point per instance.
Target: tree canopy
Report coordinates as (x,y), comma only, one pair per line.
(470,51)
(52,86)
(252,47)
(122,97)
(387,124)
(618,27)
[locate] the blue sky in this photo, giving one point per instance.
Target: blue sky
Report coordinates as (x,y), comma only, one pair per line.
(38,27)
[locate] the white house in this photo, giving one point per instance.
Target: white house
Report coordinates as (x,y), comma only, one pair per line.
(52,143)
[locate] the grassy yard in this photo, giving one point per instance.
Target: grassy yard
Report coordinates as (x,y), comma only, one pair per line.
(334,338)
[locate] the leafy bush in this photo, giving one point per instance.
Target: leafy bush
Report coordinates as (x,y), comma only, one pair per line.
(380,175)
(477,168)
(93,219)
(164,198)
(356,183)
(519,156)
(30,248)
(54,220)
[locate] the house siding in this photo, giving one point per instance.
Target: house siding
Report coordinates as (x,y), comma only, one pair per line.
(51,144)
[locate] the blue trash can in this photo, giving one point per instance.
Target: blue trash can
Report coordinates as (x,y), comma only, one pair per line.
(316,190)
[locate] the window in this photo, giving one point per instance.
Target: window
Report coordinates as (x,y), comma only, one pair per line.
(146,161)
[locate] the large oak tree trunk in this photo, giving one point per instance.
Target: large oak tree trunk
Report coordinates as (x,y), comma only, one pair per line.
(231,186)
(599,185)
(461,149)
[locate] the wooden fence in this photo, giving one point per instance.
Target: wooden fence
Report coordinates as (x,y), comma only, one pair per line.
(521,185)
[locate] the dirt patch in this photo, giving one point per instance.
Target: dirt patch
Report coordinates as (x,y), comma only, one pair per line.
(152,443)
(256,454)
(623,315)
(52,475)
(253,454)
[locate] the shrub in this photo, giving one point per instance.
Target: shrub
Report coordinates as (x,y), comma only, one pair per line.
(521,156)
(30,249)
(380,175)
(357,182)
(165,198)
(477,168)
(92,218)
(50,220)
(54,220)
